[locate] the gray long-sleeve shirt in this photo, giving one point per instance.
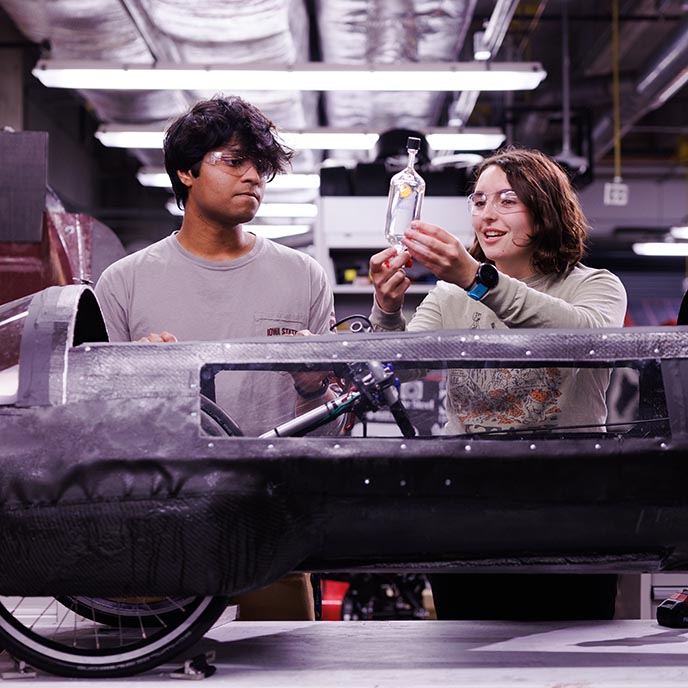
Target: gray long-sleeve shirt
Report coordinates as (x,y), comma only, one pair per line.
(524,397)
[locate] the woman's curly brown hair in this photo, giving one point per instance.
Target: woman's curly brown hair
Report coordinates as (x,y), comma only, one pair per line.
(559,225)
(210,124)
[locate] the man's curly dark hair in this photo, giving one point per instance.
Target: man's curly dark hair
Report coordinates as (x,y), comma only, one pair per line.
(211,124)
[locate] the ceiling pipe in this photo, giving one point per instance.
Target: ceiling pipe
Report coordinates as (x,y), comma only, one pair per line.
(161,47)
(567,156)
(495,31)
(665,75)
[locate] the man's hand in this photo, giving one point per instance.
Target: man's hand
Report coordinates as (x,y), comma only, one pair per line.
(389,278)
(154,338)
(310,382)
(441,253)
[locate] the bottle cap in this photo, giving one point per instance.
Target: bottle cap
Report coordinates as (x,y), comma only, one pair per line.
(413,143)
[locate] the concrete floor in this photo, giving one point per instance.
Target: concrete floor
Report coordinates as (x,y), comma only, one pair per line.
(400,654)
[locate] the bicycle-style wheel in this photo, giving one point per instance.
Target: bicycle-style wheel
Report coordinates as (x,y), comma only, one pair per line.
(130,612)
(55,639)
(216,421)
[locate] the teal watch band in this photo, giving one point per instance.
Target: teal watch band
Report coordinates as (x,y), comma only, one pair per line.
(477,291)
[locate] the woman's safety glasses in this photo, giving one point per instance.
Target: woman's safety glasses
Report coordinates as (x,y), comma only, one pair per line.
(504,201)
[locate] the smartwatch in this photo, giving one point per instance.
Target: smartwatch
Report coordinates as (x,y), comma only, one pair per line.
(485,279)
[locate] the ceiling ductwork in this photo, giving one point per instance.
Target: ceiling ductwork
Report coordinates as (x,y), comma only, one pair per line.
(653,52)
(666,73)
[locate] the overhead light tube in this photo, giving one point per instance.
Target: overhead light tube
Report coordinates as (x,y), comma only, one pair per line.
(476,139)
(451,139)
(279,210)
(309,76)
(660,248)
(679,232)
(158,177)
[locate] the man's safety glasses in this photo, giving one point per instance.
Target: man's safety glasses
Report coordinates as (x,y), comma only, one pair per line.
(504,201)
(236,165)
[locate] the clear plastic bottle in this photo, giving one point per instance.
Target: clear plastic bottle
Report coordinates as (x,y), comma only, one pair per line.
(406,192)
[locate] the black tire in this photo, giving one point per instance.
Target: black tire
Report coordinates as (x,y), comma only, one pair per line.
(81,648)
(217,422)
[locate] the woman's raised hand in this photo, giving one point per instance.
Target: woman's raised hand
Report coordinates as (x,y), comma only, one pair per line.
(441,253)
(389,278)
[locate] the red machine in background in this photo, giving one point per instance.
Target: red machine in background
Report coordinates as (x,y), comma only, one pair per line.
(379,596)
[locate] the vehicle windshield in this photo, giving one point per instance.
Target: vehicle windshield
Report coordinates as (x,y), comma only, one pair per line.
(493,398)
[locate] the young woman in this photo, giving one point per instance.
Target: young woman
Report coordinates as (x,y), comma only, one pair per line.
(523,270)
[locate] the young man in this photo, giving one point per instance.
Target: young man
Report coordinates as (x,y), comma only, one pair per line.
(215,280)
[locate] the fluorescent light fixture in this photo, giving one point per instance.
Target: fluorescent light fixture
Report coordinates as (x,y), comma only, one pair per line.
(157,177)
(295,181)
(287,210)
(172,209)
(330,139)
(323,138)
(146,136)
(660,248)
(278,231)
(153,176)
(679,232)
(459,160)
(281,210)
(123,136)
(465,139)
(309,76)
